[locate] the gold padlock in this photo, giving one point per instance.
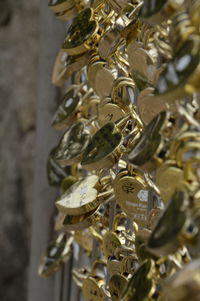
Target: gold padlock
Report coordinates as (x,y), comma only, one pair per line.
(114,265)
(66,113)
(72,144)
(101,76)
(55,172)
(143,63)
(149,106)
(115,241)
(82,34)
(142,285)
(180,79)
(131,192)
(66,65)
(109,112)
(58,252)
(175,227)
(67,9)
(168,178)
(93,287)
(129,264)
(83,197)
(106,147)
(123,94)
(85,240)
(66,223)
(150,142)
(116,285)
(155,12)
(182,28)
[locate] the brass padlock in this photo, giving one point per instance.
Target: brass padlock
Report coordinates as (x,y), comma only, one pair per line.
(85,240)
(144,67)
(83,34)
(116,285)
(100,76)
(58,252)
(116,241)
(142,285)
(168,178)
(67,9)
(175,227)
(131,192)
(113,265)
(66,113)
(72,144)
(55,172)
(66,223)
(105,148)
(182,28)
(129,265)
(150,141)
(93,287)
(141,245)
(110,41)
(149,106)
(109,112)
(66,65)
(75,105)
(181,74)
(155,12)
(82,197)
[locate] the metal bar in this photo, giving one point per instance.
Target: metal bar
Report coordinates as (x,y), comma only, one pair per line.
(67,281)
(58,286)
(75,291)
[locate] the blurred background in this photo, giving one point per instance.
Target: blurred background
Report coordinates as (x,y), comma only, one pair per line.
(19,48)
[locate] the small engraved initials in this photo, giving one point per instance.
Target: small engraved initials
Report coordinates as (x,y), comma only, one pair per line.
(110,116)
(127,188)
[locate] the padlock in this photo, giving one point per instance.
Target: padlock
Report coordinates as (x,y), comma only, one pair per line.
(149,143)
(180,77)
(115,241)
(131,192)
(142,285)
(116,285)
(100,76)
(83,34)
(175,226)
(72,144)
(67,223)
(105,148)
(82,197)
(93,287)
(155,12)
(58,252)
(168,178)
(55,172)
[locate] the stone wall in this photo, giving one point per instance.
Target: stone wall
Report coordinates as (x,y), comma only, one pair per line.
(19,30)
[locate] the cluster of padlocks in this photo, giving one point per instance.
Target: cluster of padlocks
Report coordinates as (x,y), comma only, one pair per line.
(128,160)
